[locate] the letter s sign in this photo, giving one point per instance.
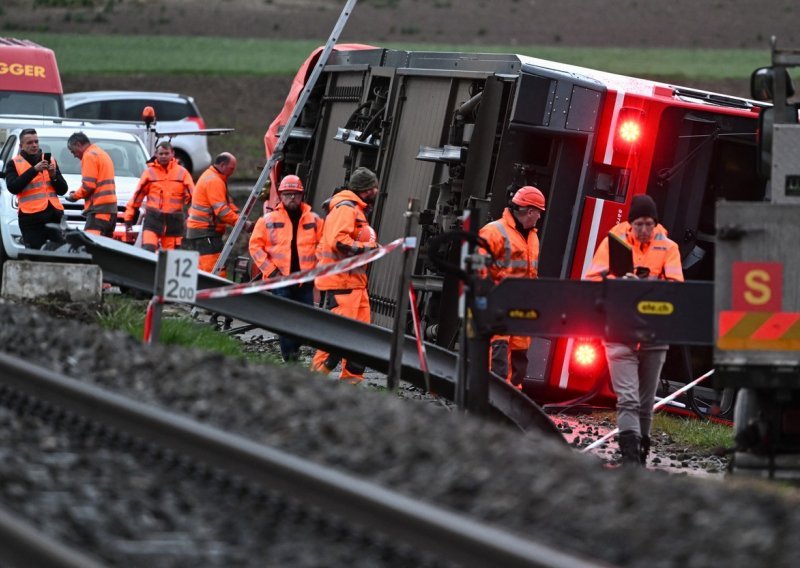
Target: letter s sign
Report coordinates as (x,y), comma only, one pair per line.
(757,287)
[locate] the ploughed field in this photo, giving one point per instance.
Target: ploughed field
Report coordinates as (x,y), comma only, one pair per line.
(130,509)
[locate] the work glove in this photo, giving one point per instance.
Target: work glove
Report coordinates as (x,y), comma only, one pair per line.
(264,194)
(71,197)
(249,226)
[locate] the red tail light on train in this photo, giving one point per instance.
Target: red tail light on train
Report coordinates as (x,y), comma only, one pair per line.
(630,130)
(585,354)
(587,358)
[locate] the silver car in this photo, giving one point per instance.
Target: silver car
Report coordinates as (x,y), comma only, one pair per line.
(125,149)
(174,113)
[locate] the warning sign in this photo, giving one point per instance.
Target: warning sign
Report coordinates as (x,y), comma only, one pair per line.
(757,287)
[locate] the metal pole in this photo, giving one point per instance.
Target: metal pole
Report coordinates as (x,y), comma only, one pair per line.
(284,137)
(461,369)
(475,351)
(478,341)
(401,306)
(158,291)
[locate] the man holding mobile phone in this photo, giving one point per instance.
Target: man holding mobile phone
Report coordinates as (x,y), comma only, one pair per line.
(37,182)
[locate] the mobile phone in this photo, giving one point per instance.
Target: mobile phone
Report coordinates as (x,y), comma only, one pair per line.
(46,156)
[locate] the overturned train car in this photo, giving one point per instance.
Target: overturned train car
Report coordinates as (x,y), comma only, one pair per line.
(458,130)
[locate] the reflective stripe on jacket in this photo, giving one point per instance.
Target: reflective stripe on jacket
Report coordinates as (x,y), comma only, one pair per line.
(271,242)
(98,189)
(167,189)
(211,207)
(345,233)
(39,192)
(661,255)
(515,257)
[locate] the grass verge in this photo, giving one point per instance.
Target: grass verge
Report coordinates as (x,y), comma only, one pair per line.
(126,314)
(700,434)
(248,56)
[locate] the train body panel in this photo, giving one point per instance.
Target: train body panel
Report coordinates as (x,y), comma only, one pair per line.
(458,130)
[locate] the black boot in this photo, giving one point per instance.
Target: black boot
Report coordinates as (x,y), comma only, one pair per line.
(644,450)
(629,445)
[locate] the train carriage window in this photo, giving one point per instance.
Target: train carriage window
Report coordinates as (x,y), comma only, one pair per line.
(700,158)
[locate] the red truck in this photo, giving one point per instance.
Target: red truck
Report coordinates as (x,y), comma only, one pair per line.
(29,80)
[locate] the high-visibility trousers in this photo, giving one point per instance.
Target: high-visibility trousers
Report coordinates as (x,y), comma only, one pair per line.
(352,304)
(151,241)
(208,261)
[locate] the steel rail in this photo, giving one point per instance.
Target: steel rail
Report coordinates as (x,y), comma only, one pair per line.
(23,545)
(450,535)
(135,268)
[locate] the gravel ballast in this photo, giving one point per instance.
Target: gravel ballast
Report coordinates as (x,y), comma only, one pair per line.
(527,484)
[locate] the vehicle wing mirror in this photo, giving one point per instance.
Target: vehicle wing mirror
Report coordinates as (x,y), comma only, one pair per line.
(762,84)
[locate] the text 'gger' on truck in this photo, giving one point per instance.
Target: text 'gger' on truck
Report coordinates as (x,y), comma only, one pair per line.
(459,131)
(29,80)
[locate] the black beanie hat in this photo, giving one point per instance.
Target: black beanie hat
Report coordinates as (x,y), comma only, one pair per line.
(362,179)
(642,206)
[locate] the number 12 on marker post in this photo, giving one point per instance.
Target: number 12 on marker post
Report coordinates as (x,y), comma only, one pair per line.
(180,276)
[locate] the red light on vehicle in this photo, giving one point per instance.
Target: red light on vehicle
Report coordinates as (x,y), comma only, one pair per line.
(584,354)
(201,124)
(630,130)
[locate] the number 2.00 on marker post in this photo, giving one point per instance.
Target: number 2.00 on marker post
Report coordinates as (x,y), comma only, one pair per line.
(180,283)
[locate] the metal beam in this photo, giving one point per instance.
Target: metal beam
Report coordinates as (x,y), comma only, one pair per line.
(131,267)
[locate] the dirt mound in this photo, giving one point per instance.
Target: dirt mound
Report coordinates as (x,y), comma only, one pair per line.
(249,104)
(678,23)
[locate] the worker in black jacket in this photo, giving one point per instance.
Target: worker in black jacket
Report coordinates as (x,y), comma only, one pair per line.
(37,182)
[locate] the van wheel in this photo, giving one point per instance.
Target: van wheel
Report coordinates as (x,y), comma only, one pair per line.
(184,160)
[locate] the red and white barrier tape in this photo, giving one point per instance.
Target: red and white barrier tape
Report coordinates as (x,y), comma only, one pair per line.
(423,356)
(303,276)
(148,318)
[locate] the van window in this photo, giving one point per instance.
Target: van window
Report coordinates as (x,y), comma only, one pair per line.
(123,110)
(5,153)
(166,110)
(88,110)
(39,104)
(127,155)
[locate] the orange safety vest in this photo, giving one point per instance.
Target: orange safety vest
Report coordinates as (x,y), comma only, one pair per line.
(211,207)
(661,255)
(39,192)
(167,189)
(98,189)
(271,241)
(345,233)
(514,256)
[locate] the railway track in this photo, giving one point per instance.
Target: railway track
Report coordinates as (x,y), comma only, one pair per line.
(438,536)
(124,500)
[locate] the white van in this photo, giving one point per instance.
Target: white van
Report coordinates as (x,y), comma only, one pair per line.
(174,113)
(126,150)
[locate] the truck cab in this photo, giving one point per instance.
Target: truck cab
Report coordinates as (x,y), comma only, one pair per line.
(757,301)
(30,83)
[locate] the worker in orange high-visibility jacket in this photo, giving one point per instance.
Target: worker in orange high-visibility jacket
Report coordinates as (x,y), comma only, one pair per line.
(347,233)
(167,187)
(285,241)
(211,211)
(635,368)
(98,189)
(37,183)
(514,244)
